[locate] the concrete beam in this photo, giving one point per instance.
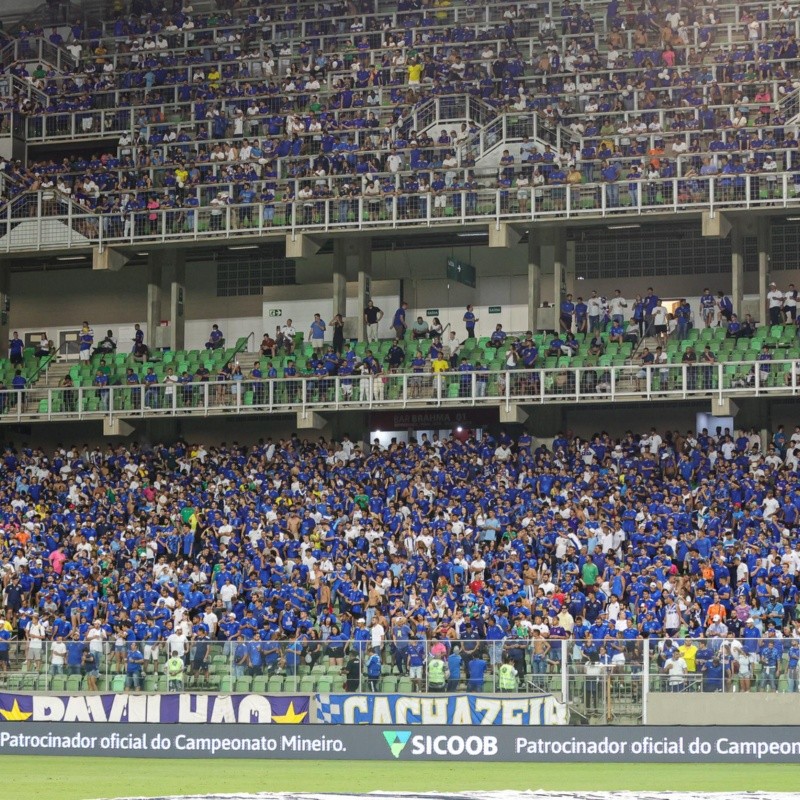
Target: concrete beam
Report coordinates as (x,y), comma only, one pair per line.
(716,225)
(310,420)
(108,259)
(512,415)
(301,245)
(724,407)
(504,235)
(116,427)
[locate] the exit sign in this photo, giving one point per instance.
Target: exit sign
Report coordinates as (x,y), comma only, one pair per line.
(431,312)
(495,309)
(275,312)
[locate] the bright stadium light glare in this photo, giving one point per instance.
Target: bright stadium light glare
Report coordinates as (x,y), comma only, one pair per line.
(70,258)
(623,227)
(244,247)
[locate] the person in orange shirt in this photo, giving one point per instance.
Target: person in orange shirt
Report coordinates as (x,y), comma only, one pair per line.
(716,609)
(655,153)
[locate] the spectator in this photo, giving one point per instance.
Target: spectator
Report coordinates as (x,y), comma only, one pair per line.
(420,329)
(215,339)
(372,316)
(85,342)
(16,349)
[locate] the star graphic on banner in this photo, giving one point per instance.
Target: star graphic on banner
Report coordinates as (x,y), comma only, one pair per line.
(16,714)
(290,717)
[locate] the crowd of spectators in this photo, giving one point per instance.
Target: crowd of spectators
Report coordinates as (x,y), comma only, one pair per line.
(273,107)
(500,550)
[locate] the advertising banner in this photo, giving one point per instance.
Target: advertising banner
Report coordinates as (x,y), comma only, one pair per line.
(559,744)
(155,708)
(443,709)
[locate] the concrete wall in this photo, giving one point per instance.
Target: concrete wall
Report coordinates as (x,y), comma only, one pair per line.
(60,299)
(723,709)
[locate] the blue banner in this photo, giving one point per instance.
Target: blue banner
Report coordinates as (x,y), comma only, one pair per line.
(439,709)
(174,708)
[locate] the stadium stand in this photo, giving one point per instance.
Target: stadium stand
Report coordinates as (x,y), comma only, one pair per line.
(237,119)
(267,566)
(290,564)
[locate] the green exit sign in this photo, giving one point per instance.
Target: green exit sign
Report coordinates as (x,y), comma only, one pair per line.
(461,272)
(495,309)
(431,312)
(275,312)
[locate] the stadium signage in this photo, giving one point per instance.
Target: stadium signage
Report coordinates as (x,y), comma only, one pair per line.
(564,744)
(431,312)
(155,708)
(455,709)
(461,272)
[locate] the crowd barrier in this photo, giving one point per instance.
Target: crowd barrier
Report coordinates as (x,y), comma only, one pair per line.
(601,383)
(30,222)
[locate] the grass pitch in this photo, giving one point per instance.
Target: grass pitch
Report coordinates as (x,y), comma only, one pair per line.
(70,778)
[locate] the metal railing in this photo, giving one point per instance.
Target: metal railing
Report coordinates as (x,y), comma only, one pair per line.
(31,223)
(178,395)
(606,679)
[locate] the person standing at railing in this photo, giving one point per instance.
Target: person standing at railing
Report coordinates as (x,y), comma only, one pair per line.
(770,658)
(133,668)
(793,667)
(175,669)
(374,668)
(507,676)
(101,383)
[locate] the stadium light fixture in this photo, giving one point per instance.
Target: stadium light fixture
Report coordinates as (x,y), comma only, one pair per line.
(145,253)
(70,258)
(793,219)
(244,247)
(471,235)
(623,227)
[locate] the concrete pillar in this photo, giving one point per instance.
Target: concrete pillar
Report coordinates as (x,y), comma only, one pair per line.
(737,269)
(559,269)
(339,277)
(365,284)
(764,237)
(339,294)
(5,306)
(154,276)
(553,250)
(177,300)
(534,281)
(570,271)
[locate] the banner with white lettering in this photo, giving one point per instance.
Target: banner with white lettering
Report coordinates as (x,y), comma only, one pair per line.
(441,709)
(164,708)
(563,744)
